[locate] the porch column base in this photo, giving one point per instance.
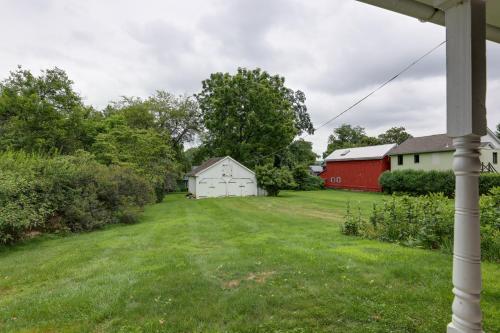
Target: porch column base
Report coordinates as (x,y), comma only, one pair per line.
(466,244)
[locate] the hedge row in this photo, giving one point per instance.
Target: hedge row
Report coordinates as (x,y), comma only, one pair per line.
(418,182)
(425,221)
(65,193)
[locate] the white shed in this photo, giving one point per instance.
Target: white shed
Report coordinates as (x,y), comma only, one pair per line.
(222,177)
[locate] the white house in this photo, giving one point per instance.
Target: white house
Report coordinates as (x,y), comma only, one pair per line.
(222,177)
(435,152)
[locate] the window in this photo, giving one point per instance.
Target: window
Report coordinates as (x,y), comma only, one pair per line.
(495,157)
(416,158)
(400,159)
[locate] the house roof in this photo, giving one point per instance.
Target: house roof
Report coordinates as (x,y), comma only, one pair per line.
(205,165)
(491,135)
(435,143)
(316,168)
(424,144)
(361,153)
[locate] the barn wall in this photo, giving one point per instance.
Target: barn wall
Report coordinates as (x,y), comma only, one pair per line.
(355,175)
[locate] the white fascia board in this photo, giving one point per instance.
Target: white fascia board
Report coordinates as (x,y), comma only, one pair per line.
(222,160)
(427,13)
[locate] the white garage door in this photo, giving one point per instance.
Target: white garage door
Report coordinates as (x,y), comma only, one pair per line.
(211,187)
(240,187)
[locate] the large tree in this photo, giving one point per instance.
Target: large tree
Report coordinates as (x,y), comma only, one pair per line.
(142,149)
(43,113)
(394,135)
(299,153)
(177,117)
(251,115)
(347,136)
(150,134)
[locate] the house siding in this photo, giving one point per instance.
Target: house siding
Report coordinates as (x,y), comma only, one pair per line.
(487,157)
(437,160)
(428,161)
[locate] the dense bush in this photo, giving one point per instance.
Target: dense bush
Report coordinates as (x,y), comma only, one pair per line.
(490,225)
(305,181)
(65,193)
(488,181)
(419,182)
(425,221)
(273,179)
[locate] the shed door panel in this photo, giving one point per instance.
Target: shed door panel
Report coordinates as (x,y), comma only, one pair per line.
(234,188)
(240,187)
(212,187)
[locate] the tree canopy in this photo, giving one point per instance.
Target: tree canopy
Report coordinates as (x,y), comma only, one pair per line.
(43,113)
(348,136)
(299,153)
(394,135)
(251,115)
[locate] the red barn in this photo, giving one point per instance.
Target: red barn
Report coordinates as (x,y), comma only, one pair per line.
(357,168)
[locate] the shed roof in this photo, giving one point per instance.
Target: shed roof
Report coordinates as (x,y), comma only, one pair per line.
(361,153)
(208,163)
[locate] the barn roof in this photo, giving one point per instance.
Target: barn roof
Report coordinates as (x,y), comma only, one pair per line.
(205,165)
(361,153)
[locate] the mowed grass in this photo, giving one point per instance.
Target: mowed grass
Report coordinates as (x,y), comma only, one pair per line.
(232,265)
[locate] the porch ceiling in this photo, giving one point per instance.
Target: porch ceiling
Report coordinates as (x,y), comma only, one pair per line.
(424,10)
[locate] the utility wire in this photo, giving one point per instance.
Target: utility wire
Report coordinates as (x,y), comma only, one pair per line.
(359,101)
(382,85)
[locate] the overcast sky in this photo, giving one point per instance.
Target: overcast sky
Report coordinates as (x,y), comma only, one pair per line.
(334,51)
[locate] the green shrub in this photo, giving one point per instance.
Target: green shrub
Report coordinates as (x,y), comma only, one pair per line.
(65,193)
(419,182)
(273,179)
(352,223)
(488,181)
(490,225)
(305,181)
(426,222)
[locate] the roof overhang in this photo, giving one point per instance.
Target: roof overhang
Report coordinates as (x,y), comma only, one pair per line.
(356,159)
(425,11)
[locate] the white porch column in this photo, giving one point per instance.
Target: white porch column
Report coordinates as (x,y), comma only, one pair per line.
(466,122)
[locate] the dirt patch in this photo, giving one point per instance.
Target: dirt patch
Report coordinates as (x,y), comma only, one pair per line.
(256,277)
(259,277)
(232,284)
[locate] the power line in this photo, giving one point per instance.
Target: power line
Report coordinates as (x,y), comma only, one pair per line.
(382,85)
(359,101)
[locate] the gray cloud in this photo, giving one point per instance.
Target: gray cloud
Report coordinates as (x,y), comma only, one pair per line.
(241,29)
(335,51)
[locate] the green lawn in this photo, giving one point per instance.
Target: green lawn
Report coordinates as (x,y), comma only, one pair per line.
(232,265)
